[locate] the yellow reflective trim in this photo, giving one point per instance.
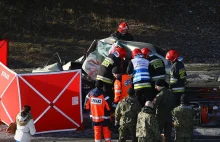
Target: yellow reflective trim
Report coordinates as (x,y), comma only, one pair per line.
(144,86)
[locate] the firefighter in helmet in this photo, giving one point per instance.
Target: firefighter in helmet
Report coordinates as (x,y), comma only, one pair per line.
(138,68)
(177,75)
(122,32)
(156,67)
(114,59)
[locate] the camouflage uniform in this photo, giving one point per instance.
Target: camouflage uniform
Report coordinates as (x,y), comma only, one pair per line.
(183,123)
(147,129)
(163,103)
(126,115)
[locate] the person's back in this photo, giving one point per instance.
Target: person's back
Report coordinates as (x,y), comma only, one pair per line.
(183,120)
(126,116)
(99,105)
(164,102)
(147,129)
(157,68)
(25,126)
(129,108)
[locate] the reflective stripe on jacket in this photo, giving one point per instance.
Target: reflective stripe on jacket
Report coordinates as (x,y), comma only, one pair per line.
(177,77)
(156,68)
(121,87)
(140,72)
(98,106)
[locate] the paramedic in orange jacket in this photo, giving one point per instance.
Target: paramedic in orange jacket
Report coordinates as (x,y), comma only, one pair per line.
(121,85)
(99,105)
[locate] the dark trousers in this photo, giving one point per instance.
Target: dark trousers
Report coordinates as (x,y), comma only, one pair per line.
(177,96)
(166,126)
(143,95)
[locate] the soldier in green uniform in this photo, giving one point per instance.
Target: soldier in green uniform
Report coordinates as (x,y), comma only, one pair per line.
(183,120)
(126,116)
(164,103)
(147,129)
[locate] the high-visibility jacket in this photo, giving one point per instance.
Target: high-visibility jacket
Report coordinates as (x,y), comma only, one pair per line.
(121,87)
(105,70)
(177,77)
(98,104)
(156,68)
(138,68)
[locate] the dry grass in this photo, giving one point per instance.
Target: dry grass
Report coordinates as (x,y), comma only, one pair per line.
(36,34)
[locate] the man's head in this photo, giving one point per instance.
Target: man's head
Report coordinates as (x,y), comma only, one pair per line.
(159,84)
(172,55)
(146,52)
(26,108)
(136,52)
(184,99)
(99,84)
(149,104)
(116,71)
(131,92)
(123,28)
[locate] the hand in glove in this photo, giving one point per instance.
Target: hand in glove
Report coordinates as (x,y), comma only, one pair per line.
(114,105)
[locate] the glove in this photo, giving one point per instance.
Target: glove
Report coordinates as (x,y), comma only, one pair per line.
(114,105)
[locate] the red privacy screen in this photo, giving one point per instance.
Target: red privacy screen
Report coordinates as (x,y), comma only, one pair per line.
(4,51)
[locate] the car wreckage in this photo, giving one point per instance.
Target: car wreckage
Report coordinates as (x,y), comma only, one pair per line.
(205,98)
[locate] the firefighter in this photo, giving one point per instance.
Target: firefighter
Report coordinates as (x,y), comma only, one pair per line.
(121,85)
(156,67)
(99,105)
(122,32)
(138,69)
(115,59)
(177,75)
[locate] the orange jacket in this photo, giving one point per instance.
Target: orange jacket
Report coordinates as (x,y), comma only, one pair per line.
(121,87)
(98,104)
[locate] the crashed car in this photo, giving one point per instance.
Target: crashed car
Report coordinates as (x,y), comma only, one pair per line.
(101,48)
(92,59)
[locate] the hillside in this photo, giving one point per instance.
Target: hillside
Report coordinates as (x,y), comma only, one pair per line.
(37,29)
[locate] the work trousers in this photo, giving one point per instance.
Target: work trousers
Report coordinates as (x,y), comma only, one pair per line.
(143,95)
(100,127)
(165,125)
(177,96)
(126,130)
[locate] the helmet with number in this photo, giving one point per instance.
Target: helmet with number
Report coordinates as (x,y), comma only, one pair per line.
(172,55)
(123,27)
(121,51)
(145,51)
(135,52)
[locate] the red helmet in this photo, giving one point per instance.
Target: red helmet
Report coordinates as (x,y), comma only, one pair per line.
(122,52)
(123,26)
(135,52)
(145,51)
(172,55)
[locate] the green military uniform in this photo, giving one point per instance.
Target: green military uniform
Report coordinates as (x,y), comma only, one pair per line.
(126,115)
(183,123)
(147,129)
(163,103)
